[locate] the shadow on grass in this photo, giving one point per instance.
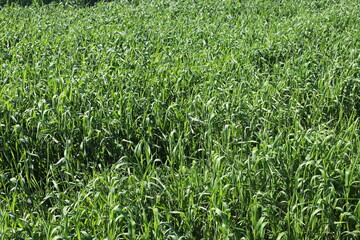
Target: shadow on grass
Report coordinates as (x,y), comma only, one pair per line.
(44,2)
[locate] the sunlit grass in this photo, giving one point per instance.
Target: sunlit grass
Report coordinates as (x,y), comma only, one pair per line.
(180,120)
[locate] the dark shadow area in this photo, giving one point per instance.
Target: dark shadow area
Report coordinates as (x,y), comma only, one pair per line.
(350,96)
(24,3)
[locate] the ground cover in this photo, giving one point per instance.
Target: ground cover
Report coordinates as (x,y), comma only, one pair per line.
(180,120)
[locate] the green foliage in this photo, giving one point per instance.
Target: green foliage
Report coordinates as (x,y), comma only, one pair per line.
(180,120)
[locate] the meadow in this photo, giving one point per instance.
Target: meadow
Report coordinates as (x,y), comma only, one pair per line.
(189,119)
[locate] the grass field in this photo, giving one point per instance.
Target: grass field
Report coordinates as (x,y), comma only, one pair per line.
(180,120)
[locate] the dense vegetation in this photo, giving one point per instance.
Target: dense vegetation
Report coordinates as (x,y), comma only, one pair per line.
(180,120)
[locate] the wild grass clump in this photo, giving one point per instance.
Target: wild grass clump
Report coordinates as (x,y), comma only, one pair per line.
(180,120)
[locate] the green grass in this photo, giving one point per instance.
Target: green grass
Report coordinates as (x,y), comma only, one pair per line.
(180,120)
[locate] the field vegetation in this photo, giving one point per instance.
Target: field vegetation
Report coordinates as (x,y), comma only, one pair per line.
(189,119)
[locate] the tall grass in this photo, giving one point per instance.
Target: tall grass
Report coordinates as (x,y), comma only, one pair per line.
(180,120)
